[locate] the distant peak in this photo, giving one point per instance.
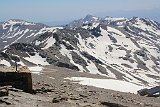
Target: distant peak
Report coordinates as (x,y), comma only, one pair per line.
(108,17)
(89,17)
(19,21)
(140,19)
(15,20)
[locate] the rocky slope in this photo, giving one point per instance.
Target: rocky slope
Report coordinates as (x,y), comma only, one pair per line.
(54,90)
(120,48)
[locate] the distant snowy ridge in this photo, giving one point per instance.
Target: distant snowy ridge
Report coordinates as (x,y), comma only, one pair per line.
(15,30)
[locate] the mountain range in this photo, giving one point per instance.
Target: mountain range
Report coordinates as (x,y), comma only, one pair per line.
(121,48)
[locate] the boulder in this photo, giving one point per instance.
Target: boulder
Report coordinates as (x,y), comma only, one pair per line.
(152,92)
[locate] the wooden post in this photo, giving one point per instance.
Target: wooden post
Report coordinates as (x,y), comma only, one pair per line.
(16,66)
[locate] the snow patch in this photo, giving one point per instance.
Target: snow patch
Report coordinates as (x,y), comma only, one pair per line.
(111,29)
(49,42)
(5,62)
(51,78)
(117,85)
(36,59)
(36,69)
(92,68)
(37,42)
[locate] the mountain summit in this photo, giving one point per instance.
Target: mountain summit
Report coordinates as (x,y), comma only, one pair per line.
(88,19)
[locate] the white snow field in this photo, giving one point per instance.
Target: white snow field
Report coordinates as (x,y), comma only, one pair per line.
(112,84)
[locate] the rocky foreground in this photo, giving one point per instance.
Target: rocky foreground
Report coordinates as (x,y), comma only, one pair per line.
(51,89)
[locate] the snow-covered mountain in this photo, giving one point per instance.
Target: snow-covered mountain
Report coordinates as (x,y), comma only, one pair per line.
(87,20)
(15,30)
(120,48)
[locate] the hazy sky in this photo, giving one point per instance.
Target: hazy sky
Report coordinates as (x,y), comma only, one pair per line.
(67,10)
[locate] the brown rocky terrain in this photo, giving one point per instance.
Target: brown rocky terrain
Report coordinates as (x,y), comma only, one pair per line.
(51,89)
(13,68)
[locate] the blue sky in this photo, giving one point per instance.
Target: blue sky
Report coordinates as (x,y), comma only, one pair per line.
(62,11)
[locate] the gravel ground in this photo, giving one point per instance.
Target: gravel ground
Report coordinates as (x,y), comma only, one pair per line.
(53,90)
